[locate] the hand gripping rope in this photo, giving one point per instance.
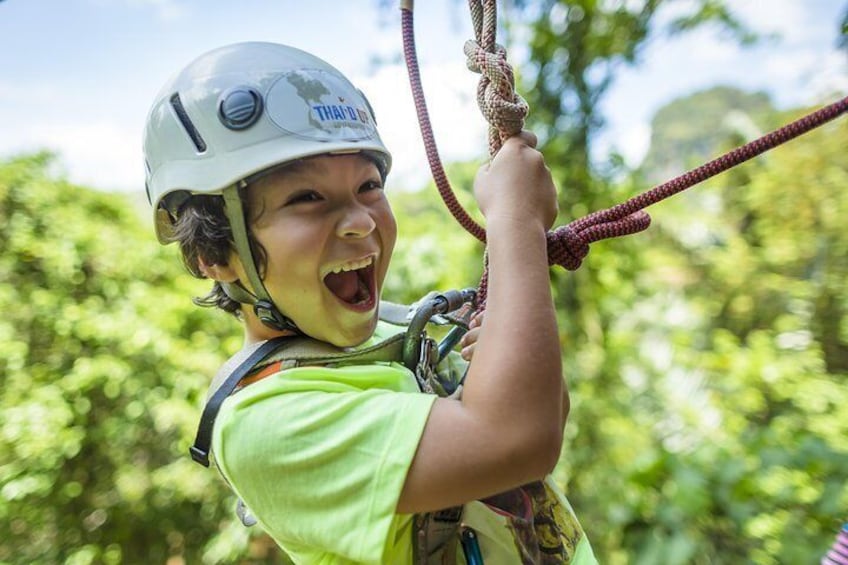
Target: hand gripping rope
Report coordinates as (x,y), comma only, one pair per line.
(505,111)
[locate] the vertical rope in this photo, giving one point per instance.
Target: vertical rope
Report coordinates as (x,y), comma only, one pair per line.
(436,168)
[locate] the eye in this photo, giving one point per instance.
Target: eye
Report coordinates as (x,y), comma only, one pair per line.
(371,185)
(303,196)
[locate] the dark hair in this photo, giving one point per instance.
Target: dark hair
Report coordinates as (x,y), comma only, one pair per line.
(203,232)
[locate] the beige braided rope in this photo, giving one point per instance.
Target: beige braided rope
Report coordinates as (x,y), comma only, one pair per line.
(502,107)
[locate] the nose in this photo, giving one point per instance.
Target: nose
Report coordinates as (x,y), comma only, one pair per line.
(355,222)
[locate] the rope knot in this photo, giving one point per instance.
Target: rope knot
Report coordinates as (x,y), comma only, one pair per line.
(566,248)
(502,107)
(568,245)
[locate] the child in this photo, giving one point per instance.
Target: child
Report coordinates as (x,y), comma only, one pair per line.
(265,164)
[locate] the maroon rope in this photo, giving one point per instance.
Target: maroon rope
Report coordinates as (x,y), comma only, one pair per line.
(628,217)
(568,245)
(433,158)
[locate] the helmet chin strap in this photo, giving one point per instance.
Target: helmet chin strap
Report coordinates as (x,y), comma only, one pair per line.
(263,306)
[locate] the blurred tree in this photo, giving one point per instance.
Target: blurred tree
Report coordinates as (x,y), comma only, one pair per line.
(690,130)
(104,363)
(576,47)
(433,252)
(749,459)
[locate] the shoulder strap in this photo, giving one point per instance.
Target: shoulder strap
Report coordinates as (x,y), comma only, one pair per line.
(232,372)
(300,351)
(294,350)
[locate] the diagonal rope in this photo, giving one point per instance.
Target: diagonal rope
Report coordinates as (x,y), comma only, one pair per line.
(567,245)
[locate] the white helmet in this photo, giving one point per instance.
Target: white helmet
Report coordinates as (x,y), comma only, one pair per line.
(243,108)
(237,111)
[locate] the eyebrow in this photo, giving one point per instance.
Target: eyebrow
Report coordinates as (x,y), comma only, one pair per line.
(300,166)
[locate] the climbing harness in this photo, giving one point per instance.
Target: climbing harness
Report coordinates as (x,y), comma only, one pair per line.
(567,245)
(412,347)
(435,534)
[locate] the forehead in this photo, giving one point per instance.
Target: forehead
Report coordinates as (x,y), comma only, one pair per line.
(319,166)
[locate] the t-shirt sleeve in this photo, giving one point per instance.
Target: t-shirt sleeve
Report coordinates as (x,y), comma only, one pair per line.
(322,469)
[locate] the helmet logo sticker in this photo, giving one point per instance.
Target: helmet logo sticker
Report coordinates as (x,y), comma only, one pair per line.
(318,105)
(239,107)
(310,91)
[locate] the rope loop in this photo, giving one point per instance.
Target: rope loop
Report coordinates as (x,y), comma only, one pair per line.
(566,248)
(568,245)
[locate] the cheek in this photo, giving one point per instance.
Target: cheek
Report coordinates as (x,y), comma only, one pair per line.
(289,240)
(389,230)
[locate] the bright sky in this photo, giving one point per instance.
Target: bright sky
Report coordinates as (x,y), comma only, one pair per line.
(78,76)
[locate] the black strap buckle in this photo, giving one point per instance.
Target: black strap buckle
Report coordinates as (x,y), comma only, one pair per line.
(199,455)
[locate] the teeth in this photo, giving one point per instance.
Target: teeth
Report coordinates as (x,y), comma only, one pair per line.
(353,265)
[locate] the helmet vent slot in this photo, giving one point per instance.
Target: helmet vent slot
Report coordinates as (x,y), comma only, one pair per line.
(192,132)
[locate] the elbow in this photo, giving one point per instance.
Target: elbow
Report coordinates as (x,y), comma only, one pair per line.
(544,449)
(549,446)
(543,454)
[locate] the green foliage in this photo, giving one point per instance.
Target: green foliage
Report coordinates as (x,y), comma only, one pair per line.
(104,363)
(678,449)
(718,435)
(707,358)
(576,48)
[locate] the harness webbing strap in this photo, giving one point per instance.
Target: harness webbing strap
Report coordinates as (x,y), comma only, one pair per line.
(235,215)
(291,350)
(235,369)
(308,351)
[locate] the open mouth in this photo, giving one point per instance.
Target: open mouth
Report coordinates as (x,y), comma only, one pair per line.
(354,284)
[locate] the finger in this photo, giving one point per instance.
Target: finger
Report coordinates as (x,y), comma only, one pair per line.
(529,137)
(470,337)
(467,352)
(476,319)
(525,136)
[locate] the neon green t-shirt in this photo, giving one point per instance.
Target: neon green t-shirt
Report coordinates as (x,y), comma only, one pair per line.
(320,456)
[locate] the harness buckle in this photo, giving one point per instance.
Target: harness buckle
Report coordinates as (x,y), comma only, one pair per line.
(199,455)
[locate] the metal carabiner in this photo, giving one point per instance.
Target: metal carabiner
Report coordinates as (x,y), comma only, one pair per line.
(439,304)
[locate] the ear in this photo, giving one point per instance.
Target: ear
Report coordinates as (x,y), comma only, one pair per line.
(220,273)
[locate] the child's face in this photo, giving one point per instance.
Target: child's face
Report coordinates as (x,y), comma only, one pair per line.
(328,232)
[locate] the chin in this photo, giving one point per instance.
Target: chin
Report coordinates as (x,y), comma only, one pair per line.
(352,336)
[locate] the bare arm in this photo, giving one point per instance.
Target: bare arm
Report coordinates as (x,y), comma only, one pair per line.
(469,343)
(507,429)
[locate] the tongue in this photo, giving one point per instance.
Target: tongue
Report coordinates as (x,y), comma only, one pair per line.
(345,285)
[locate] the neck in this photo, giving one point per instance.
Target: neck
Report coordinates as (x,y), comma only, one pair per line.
(256,331)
